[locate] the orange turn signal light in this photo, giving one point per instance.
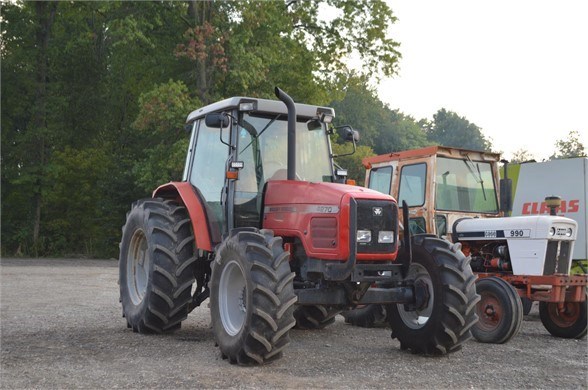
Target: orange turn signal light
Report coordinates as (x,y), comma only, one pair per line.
(232,175)
(351,182)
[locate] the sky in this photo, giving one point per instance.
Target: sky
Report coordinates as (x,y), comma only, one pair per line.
(518,69)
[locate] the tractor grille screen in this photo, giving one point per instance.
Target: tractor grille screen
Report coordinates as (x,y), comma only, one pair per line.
(557,259)
(377,216)
(323,232)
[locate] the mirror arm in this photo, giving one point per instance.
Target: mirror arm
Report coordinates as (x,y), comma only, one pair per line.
(220,133)
(347,154)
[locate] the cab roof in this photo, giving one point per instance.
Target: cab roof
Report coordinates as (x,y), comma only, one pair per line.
(261,106)
(431,151)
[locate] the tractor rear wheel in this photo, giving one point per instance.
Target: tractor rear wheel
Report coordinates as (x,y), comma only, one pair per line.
(500,311)
(155,273)
(315,317)
(367,316)
(442,324)
(252,297)
(569,323)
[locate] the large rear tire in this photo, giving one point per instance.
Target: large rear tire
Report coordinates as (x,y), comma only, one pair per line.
(444,321)
(155,273)
(252,297)
(367,316)
(569,323)
(500,311)
(315,317)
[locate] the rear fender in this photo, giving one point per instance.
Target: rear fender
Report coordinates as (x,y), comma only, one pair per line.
(184,193)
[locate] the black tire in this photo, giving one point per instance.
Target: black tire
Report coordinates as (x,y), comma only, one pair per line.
(571,323)
(315,317)
(155,273)
(367,316)
(500,311)
(252,297)
(444,323)
(527,305)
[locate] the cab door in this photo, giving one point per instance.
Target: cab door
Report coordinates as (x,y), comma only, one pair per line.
(414,187)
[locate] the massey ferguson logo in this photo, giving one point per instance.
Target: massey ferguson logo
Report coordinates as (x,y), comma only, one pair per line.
(377,211)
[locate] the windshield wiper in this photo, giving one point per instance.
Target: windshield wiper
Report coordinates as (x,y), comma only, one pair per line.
(477,178)
(254,137)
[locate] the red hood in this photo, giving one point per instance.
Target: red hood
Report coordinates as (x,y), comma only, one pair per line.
(297,192)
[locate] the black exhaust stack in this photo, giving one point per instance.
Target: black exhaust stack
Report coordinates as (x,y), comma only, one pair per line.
(283,96)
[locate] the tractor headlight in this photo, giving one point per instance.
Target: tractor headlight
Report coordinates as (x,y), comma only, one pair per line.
(568,232)
(385,237)
(364,236)
(552,231)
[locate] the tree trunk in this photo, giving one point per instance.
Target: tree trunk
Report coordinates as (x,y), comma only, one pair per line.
(199,13)
(45,13)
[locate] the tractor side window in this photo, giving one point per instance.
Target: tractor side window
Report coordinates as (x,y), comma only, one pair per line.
(208,166)
(417,225)
(440,225)
(412,184)
(380,179)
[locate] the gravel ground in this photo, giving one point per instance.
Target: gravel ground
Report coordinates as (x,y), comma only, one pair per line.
(61,327)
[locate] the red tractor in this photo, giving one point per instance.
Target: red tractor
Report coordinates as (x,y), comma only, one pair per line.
(263,225)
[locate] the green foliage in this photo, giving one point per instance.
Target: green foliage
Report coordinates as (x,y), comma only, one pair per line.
(162,112)
(352,163)
(76,211)
(381,128)
(521,156)
(94,96)
(569,147)
(450,129)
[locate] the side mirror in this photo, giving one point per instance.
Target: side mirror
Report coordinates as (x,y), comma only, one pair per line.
(217,120)
(351,135)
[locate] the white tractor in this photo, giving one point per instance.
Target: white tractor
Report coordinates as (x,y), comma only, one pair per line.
(457,194)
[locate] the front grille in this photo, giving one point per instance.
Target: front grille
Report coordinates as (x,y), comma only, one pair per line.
(376,216)
(557,258)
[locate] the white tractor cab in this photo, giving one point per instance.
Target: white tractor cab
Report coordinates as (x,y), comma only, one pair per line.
(457,194)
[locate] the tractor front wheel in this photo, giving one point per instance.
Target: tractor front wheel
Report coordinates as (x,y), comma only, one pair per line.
(500,311)
(252,297)
(569,322)
(443,322)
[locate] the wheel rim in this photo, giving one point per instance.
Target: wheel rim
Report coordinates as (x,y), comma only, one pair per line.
(567,316)
(489,311)
(137,267)
(232,298)
(418,318)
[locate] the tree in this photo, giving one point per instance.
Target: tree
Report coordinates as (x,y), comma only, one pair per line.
(352,163)
(450,129)
(569,147)
(94,96)
(383,129)
(248,47)
(522,155)
(162,112)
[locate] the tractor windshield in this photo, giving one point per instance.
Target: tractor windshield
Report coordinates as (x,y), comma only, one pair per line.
(465,185)
(262,146)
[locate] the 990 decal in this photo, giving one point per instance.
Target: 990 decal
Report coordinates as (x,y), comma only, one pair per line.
(518,233)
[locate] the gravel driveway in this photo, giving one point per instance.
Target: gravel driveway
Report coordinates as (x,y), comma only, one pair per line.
(61,327)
